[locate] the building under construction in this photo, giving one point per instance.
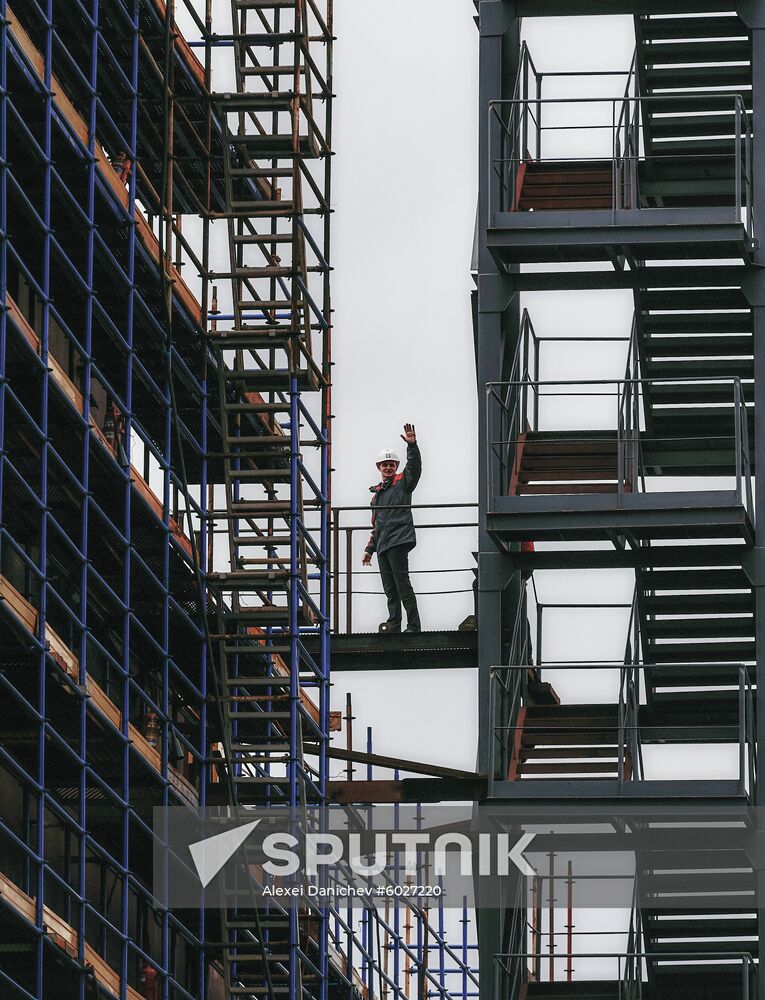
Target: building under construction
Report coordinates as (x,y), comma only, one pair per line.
(171,565)
(626,446)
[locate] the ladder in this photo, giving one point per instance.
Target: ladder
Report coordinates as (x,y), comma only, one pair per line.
(272,364)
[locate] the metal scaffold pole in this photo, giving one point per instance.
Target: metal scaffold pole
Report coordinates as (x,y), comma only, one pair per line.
(272,364)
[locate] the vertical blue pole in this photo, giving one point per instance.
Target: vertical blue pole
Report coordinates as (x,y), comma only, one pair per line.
(441,940)
(368,911)
(128,423)
(85,388)
(46,290)
(465,952)
(3,233)
(396,907)
(324,668)
(294,596)
(204,665)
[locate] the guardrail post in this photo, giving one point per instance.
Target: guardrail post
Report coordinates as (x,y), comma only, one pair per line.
(737,103)
(748,186)
(737,435)
(741,731)
(615,153)
(619,442)
(348,579)
(496,731)
(525,107)
(336,569)
(551,916)
(490,453)
(621,735)
(635,156)
(570,925)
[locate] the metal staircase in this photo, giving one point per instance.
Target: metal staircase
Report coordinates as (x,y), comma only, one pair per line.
(698,64)
(700,334)
(681,155)
(548,462)
(568,741)
(696,619)
(272,363)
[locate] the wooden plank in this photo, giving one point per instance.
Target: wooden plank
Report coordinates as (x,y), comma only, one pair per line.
(69,663)
(144,747)
(64,935)
(19,605)
(17,898)
(104,703)
(103,163)
(182,785)
(60,931)
(182,46)
(68,387)
(75,397)
(152,500)
(62,654)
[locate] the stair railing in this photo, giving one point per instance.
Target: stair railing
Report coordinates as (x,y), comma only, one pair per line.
(516,973)
(509,407)
(630,458)
(631,985)
(743,181)
(524,372)
(628,396)
(747,735)
(531,122)
(628,715)
(508,690)
(517,132)
(626,143)
(743,455)
(503,421)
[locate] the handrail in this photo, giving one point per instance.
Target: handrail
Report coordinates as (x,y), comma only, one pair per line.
(629,698)
(632,980)
(504,441)
(346,567)
(509,129)
(510,678)
(747,736)
(638,957)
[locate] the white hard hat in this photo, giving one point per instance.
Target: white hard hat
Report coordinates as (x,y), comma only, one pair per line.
(386,455)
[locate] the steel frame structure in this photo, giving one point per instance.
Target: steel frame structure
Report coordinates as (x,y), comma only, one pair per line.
(687,243)
(164,496)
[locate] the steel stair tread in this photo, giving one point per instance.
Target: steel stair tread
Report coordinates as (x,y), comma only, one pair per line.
(656,29)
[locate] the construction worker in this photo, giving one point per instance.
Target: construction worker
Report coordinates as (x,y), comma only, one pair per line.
(393,535)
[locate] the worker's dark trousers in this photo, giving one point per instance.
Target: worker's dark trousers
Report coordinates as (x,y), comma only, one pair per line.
(394,570)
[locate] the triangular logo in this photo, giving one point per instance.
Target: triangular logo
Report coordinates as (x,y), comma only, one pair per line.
(211,854)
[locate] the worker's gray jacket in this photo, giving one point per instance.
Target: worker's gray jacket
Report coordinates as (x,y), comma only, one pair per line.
(392,522)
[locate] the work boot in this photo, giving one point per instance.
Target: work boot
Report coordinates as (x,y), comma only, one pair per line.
(413,629)
(391,627)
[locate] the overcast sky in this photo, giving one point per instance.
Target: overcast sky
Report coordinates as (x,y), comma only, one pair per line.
(404,178)
(404,197)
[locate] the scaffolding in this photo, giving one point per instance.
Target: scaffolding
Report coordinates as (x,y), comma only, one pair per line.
(165,351)
(647,472)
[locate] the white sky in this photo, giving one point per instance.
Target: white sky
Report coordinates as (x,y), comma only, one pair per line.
(404,177)
(404,196)
(405,183)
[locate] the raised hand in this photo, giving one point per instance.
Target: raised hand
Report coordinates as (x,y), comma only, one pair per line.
(409,434)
